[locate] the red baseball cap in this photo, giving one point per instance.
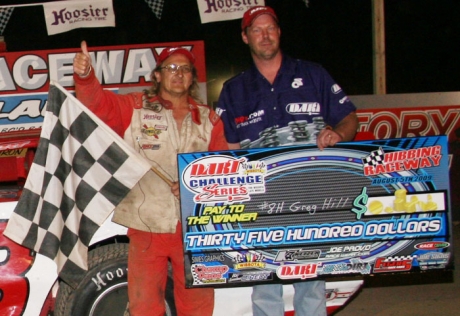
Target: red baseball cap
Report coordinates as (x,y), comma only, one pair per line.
(251,14)
(165,53)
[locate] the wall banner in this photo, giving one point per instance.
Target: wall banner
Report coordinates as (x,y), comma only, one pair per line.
(63,16)
(285,214)
(220,10)
(25,76)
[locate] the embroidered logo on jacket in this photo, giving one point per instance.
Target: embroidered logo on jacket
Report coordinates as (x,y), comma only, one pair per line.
(336,88)
(151,146)
(150,131)
(151,117)
(310,108)
(252,118)
(296,83)
(219,111)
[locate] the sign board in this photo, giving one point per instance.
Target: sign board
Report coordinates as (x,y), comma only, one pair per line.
(285,214)
(25,76)
(414,115)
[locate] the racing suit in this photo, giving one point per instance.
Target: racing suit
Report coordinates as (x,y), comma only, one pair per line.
(150,210)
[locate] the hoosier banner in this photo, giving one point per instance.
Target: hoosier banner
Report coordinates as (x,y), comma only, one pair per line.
(285,214)
(65,16)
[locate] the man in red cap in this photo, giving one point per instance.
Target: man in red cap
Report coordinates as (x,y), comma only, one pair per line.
(278,94)
(159,123)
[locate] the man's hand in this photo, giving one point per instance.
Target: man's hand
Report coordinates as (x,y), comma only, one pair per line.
(327,137)
(82,61)
(344,131)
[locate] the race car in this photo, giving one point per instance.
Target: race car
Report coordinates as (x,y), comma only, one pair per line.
(29,282)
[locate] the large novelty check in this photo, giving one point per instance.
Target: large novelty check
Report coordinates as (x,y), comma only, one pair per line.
(285,214)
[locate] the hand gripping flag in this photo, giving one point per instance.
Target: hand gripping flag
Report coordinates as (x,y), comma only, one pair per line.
(82,169)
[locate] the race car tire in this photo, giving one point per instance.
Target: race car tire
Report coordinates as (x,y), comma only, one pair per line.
(103,290)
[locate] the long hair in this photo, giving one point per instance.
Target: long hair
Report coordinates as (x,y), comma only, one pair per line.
(193,90)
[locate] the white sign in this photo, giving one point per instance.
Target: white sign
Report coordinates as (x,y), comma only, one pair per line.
(223,10)
(63,16)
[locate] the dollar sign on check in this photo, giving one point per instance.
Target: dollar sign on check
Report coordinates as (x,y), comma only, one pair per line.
(359,204)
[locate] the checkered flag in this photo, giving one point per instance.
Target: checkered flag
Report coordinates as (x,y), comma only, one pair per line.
(399,258)
(5,14)
(196,278)
(156,6)
(375,158)
(80,173)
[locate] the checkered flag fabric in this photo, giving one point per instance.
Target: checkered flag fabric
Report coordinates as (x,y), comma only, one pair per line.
(5,14)
(196,278)
(400,258)
(156,6)
(81,171)
(375,158)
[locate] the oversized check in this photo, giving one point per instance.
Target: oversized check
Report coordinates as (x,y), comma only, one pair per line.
(285,214)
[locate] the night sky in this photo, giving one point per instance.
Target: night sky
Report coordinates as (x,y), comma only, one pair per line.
(422,39)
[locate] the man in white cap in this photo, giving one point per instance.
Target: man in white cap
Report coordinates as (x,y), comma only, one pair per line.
(280,92)
(159,123)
